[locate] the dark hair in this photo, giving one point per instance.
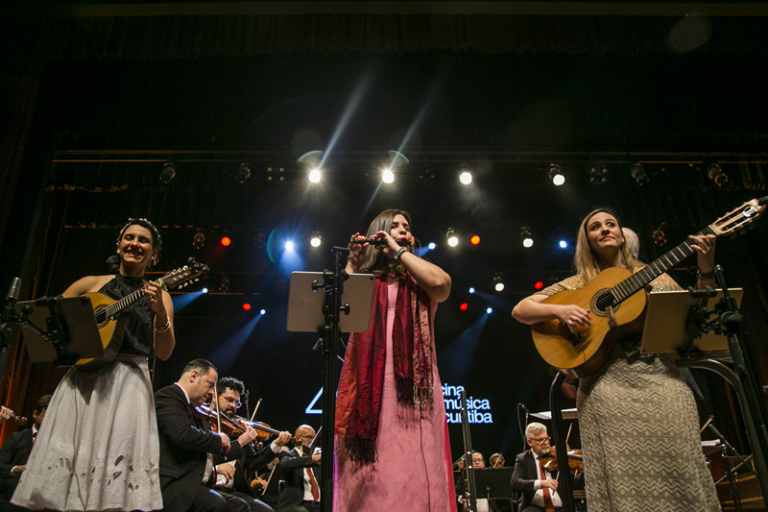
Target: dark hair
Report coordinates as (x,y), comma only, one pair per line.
(157,243)
(232,383)
(202,366)
(42,403)
(373,260)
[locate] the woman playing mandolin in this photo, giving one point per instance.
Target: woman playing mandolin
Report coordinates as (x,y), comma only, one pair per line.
(638,418)
(100,449)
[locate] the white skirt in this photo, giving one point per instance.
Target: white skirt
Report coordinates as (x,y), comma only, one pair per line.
(98,447)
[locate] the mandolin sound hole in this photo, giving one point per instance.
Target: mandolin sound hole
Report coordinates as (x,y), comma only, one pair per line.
(101,316)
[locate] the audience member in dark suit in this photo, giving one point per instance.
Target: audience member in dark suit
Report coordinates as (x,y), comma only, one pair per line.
(538,493)
(231,476)
(15,452)
(302,475)
(188,447)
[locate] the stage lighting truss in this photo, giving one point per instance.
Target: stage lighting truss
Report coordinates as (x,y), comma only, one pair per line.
(168,172)
(526,238)
(717,175)
(198,240)
(315,239)
(453,240)
(639,174)
(243,173)
(498,283)
(597,175)
(556,175)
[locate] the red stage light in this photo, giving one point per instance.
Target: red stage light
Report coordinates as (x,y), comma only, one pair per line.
(225,241)
(464,306)
(246,307)
(475,240)
(539,285)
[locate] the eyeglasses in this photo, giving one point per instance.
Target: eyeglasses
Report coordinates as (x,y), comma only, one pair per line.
(308,437)
(233,401)
(542,439)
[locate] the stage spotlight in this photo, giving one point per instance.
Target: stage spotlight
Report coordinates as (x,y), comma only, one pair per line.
(243,173)
(288,245)
(315,239)
(263,311)
(198,240)
(168,172)
(464,306)
(556,175)
(658,236)
(204,290)
(315,175)
(246,306)
(471,290)
(475,240)
(224,284)
(498,284)
(717,175)
(432,246)
(226,241)
(597,175)
(539,285)
(489,310)
(465,174)
(639,174)
(387,176)
(453,240)
(563,244)
(525,236)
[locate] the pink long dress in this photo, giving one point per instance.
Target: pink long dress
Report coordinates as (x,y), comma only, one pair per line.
(413,467)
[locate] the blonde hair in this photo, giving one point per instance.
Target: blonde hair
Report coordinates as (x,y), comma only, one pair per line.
(587,265)
(373,260)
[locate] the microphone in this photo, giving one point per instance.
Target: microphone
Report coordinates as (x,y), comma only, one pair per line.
(13,291)
(7,328)
(379,241)
(706,424)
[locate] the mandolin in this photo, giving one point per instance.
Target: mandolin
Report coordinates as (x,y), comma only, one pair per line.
(112,325)
(615,305)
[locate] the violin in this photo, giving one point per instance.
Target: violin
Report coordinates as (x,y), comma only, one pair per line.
(236,426)
(575,461)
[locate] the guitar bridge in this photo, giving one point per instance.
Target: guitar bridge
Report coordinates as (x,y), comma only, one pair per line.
(570,334)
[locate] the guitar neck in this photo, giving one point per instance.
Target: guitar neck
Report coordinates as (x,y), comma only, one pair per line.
(639,280)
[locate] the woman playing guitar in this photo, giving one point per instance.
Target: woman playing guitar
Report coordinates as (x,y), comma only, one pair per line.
(638,419)
(100,451)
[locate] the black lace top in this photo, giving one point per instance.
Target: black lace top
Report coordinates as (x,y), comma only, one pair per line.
(138,337)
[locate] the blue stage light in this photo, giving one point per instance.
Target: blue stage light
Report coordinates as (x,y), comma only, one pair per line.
(263,311)
(432,246)
(205,290)
(489,310)
(288,245)
(563,244)
(471,290)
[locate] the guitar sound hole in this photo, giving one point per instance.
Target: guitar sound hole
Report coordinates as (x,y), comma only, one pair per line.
(603,301)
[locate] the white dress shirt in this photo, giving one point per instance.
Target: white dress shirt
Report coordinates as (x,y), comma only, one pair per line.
(538,498)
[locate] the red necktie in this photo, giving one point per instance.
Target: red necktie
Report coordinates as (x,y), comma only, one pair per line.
(545,490)
(313,482)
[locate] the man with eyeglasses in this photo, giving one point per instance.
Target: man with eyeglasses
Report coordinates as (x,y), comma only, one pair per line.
(301,470)
(538,487)
(231,477)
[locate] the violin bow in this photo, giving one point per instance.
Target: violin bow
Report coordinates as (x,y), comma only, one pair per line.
(255,409)
(218,414)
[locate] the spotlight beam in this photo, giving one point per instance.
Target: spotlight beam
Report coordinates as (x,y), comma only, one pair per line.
(346,116)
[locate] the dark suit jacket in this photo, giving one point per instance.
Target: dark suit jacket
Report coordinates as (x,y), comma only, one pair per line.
(251,461)
(184,442)
(14,452)
(292,464)
(525,475)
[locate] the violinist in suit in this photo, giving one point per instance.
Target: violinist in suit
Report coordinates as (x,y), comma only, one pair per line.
(15,452)
(302,475)
(538,486)
(231,476)
(188,447)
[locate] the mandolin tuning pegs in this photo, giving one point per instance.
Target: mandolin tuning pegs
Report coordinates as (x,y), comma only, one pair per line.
(197,279)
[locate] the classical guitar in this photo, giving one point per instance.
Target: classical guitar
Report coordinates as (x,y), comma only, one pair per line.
(616,304)
(112,324)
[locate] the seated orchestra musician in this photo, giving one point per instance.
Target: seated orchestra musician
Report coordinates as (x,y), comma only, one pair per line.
(496,460)
(15,452)
(231,477)
(189,449)
(483,504)
(301,471)
(102,452)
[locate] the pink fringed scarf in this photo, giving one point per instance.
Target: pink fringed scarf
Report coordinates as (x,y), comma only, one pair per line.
(358,403)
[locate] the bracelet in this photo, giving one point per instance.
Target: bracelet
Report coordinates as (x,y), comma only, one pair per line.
(399,254)
(708,275)
(165,327)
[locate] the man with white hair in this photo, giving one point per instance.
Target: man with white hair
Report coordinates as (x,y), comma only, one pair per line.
(538,486)
(633,243)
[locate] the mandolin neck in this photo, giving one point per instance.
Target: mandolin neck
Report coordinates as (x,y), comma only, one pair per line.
(126,301)
(643,277)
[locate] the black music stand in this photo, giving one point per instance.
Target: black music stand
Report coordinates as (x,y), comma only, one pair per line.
(327,326)
(494,483)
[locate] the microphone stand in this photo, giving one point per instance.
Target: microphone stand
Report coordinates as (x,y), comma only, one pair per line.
(7,325)
(730,473)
